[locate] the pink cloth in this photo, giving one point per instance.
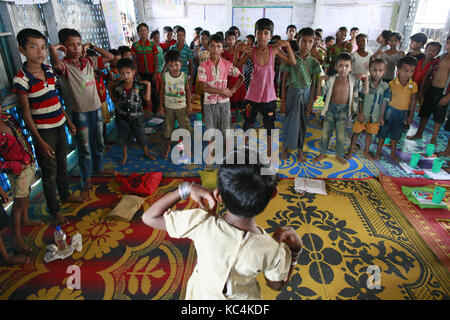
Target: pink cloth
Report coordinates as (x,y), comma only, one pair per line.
(262,88)
(216,78)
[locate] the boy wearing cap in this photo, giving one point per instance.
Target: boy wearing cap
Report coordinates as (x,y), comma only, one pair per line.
(418,41)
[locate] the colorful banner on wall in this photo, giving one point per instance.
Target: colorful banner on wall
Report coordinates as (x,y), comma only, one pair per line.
(113,22)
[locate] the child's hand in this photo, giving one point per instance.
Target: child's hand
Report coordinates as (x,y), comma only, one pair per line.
(227,93)
(241,46)
(290,237)
(59,47)
(146,82)
(4,195)
(381,122)
(360,118)
(443,101)
(161,110)
(72,128)
(283,106)
(200,194)
(408,121)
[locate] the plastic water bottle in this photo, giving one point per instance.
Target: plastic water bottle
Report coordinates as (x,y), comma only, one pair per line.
(60,239)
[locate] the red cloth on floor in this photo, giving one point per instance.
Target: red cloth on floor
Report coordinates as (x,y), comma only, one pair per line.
(143,184)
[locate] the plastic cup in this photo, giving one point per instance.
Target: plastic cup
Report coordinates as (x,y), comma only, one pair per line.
(430,150)
(415,157)
(199,116)
(437,165)
(176,124)
(387,140)
(438,195)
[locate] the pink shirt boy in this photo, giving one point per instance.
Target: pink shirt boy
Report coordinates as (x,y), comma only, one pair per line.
(216,78)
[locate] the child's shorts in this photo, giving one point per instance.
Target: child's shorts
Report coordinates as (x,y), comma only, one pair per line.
(268,111)
(129,127)
(175,114)
(431,105)
(4,218)
(21,184)
(394,123)
(218,116)
(370,128)
(105,113)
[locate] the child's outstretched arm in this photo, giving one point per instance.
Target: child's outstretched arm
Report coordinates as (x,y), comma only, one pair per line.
(294,242)
(290,57)
(241,47)
(154,216)
(57,64)
(107,56)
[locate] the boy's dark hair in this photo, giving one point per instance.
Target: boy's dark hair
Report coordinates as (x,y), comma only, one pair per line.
(198,30)
(386,34)
(354,29)
(167,29)
(24,34)
(205,33)
(344,56)
(264,24)
(397,35)
(123,49)
(140,25)
(180,29)
(125,63)
(252,37)
(114,52)
(319,30)
(154,33)
(244,190)
(317,34)
(274,39)
(434,44)
(409,60)
(359,35)
(175,28)
(220,33)
(172,55)
(305,32)
(66,33)
(216,38)
(420,37)
(91,53)
(230,33)
(234,28)
(290,26)
(329,38)
(342,29)
(377,61)
(294,45)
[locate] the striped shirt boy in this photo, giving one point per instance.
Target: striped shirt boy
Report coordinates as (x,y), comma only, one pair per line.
(145,53)
(45,107)
(186,55)
(301,74)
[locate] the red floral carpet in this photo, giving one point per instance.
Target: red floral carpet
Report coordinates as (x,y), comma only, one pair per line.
(119,259)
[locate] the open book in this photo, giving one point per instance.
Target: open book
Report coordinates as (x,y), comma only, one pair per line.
(310,185)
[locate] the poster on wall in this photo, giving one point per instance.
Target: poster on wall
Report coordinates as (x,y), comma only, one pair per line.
(245,18)
(281,16)
(167,8)
(113,22)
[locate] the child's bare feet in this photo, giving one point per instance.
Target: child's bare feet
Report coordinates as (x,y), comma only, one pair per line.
(165,155)
(349,156)
(445,153)
(107,172)
(341,160)
(433,141)
(319,158)
(300,157)
(369,156)
(60,220)
(29,222)
(377,156)
(284,155)
(22,247)
(414,137)
(149,156)
(395,158)
(17,260)
(74,198)
(123,160)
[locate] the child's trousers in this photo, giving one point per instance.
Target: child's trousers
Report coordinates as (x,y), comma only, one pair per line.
(294,124)
(336,119)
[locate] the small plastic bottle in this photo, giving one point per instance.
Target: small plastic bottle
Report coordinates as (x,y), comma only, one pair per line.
(60,239)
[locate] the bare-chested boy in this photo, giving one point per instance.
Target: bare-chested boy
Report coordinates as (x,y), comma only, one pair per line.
(437,95)
(339,105)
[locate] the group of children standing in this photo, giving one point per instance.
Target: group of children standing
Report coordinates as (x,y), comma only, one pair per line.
(231,76)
